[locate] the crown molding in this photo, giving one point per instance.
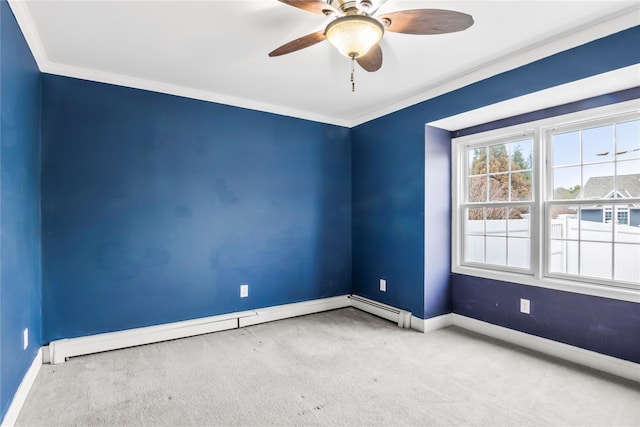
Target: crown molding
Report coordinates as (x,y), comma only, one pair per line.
(186,92)
(606,25)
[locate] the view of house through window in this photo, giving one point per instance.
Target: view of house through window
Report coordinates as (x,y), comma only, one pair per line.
(595,230)
(575,214)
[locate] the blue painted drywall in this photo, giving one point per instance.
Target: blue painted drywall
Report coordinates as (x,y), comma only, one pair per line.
(156,208)
(388,216)
(603,325)
(437,222)
(20,266)
(389,171)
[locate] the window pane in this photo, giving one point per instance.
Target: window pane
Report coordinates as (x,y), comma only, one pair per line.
(628,167)
(597,144)
(628,140)
(521,186)
(499,187)
(598,181)
(628,178)
(496,224)
(564,222)
(474,240)
(627,267)
(566,148)
(474,223)
(627,229)
(596,223)
(519,223)
(496,250)
(498,158)
(563,257)
(477,190)
(563,211)
(521,154)
(595,260)
(519,255)
(566,183)
(477,161)
(474,249)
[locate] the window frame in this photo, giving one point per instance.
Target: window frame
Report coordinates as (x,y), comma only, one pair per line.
(540,240)
(467,204)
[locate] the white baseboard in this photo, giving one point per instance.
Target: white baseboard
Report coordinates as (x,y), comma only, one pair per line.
(286,311)
(431,324)
(20,397)
(601,362)
(60,350)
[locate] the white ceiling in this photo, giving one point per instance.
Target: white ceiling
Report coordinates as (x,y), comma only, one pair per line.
(217,50)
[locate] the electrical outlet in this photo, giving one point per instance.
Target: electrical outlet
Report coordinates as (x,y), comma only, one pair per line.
(244,291)
(25,338)
(383,285)
(525,306)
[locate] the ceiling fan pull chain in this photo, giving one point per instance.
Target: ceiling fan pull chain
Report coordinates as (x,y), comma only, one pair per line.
(353,82)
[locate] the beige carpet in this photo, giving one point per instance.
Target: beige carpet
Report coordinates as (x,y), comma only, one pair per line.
(343,367)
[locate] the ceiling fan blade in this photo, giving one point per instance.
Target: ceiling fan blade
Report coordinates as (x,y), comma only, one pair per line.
(299,43)
(426,21)
(372,61)
(315,6)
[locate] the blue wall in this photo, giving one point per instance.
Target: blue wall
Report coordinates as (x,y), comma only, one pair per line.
(156,208)
(603,325)
(437,233)
(389,172)
(20,267)
(388,211)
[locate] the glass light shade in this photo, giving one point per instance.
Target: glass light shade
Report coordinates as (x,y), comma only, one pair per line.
(354,35)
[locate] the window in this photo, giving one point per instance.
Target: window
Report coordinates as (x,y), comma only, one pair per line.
(622,215)
(594,177)
(554,203)
(498,203)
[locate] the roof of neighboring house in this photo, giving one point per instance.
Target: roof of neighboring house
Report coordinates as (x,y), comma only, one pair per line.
(602,186)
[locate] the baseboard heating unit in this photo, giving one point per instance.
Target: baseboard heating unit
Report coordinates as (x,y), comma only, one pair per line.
(60,350)
(396,315)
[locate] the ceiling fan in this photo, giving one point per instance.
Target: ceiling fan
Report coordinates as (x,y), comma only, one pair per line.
(356,30)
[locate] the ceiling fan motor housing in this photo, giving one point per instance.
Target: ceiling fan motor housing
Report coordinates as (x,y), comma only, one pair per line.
(352,7)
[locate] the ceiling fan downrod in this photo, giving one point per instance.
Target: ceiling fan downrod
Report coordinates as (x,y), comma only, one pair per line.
(353,72)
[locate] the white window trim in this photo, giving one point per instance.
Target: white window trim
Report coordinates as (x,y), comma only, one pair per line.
(503,139)
(538,238)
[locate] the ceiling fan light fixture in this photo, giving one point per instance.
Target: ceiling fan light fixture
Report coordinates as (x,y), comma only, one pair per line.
(354,35)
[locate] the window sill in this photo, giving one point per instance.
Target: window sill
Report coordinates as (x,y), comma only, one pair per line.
(623,294)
